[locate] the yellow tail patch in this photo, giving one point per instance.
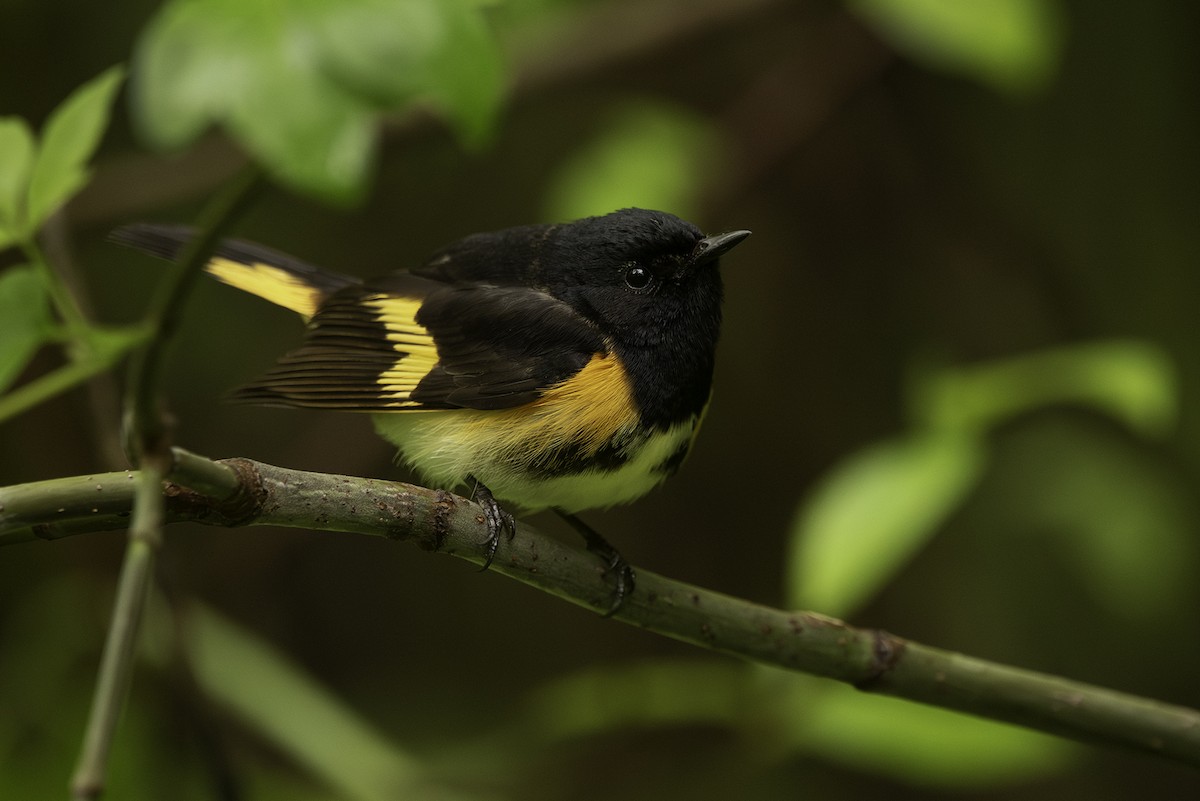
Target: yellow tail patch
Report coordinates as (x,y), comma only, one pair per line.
(269,283)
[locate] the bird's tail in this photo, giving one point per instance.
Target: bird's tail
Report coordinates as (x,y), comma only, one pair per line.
(271,275)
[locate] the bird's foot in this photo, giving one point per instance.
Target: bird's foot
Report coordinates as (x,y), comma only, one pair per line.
(499,522)
(614,564)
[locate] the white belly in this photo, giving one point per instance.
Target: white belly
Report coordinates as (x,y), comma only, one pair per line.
(446,447)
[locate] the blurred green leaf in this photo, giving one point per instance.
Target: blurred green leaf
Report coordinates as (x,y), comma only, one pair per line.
(108,345)
(923,745)
(255,67)
(1133,381)
(1011,44)
(52,630)
(649,155)
(786,714)
(395,52)
(660,693)
(16,160)
(24,320)
(872,513)
(69,139)
(299,716)
(300,84)
(1120,516)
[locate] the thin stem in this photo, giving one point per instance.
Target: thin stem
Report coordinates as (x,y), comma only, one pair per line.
(145,427)
(103,390)
(147,435)
(116,663)
(64,302)
(42,388)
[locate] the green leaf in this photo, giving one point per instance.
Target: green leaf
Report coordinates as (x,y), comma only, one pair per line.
(24,320)
(69,139)
(398,52)
(1121,515)
(922,745)
(1132,381)
(872,514)
(17,151)
(1013,45)
(657,693)
(301,84)
(255,67)
(268,692)
(649,155)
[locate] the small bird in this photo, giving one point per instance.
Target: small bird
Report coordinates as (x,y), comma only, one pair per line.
(561,367)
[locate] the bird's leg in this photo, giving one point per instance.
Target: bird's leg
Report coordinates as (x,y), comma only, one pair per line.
(499,521)
(614,563)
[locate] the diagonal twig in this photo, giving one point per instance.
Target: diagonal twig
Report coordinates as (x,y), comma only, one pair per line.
(241,492)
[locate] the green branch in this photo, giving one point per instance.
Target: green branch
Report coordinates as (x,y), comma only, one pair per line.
(240,492)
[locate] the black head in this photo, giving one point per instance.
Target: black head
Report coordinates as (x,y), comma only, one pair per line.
(639,275)
(647,280)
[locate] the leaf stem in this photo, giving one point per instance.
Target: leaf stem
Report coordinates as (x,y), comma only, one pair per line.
(44,387)
(68,308)
(148,437)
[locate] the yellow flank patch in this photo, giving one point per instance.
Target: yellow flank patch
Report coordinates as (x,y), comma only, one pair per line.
(269,283)
(590,406)
(398,315)
(586,410)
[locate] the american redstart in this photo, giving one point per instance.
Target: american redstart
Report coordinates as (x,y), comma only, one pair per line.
(555,366)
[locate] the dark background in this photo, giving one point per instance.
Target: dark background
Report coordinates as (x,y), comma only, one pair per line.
(901,213)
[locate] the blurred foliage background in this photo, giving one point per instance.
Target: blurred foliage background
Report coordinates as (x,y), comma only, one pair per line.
(956,397)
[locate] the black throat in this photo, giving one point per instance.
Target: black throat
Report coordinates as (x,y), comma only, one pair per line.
(671,374)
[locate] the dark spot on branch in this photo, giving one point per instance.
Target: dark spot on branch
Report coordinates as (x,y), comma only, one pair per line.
(886,652)
(443,507)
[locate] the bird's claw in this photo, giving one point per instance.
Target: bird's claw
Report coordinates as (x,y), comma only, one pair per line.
(499,523)
(614,563)
(626,580)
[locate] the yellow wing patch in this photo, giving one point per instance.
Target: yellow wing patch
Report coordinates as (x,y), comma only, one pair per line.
(419,353)
(269,283)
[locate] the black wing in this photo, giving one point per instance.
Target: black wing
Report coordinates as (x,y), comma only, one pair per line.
(408,343)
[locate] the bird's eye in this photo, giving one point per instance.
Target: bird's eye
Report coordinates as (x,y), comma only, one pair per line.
(637,277)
